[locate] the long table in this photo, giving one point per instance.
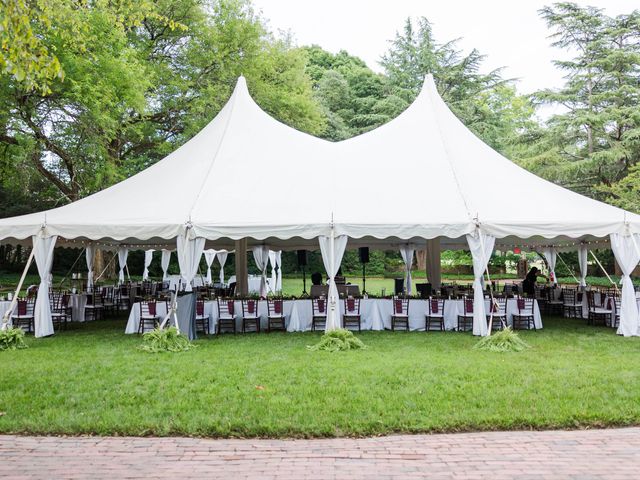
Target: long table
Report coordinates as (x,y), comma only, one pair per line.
(375,314)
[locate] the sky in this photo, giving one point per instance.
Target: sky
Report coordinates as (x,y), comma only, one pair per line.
(510,33)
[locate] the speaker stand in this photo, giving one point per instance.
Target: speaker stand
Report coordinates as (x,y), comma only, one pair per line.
(364,281)
(304,283)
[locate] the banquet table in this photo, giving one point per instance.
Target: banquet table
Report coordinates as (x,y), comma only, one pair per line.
(375,314)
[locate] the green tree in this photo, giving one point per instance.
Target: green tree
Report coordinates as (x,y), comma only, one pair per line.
(485,102)
(595,141)
(137,83)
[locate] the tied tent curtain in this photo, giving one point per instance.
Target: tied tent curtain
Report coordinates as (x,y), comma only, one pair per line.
(189,254)
(627,252)
(222,259)
(274,276)
(332,249)
(481,247)
(550,255)
(123,253)
(148,256)
(279,271)
(89,254)
(261,256)
(209,257)
(406,251)
(43,255)
(164,263)
(582,260)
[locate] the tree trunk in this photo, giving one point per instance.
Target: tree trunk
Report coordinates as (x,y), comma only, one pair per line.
(421,259)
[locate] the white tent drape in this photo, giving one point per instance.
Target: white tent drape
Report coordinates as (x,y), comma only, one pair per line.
(261,256)
(164,263)
(209,257)
(222,259)
(332,249)
(627,252)
(551,256)
(406,251)
(148,256)
(89,254)
(43,255)
(123,253)
(481,246)
(189,254)
(582,260)
(274,277)
(279,273)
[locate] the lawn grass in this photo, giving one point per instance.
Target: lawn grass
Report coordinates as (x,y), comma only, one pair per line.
(93,379)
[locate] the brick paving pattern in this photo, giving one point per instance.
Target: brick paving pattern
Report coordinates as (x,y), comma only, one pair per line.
(592,454)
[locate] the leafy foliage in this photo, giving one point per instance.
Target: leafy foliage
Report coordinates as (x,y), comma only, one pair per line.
(12,339)
(338,340)
(165,340)
(596,140)
(505,340)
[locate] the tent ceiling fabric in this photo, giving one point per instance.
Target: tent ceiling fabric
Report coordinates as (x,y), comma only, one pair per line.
(422,175)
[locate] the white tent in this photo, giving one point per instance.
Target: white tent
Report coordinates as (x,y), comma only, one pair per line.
(422,176)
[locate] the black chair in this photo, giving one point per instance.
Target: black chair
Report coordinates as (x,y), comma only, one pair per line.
(465,321)
(250,316)
(275,317)
(226,315)
(319,313)
(435,314)
(400,314)
(202,319)
(351,315)
(524,317)
(23,315)
(149,316)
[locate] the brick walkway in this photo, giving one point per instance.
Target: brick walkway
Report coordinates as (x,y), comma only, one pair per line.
(592,454)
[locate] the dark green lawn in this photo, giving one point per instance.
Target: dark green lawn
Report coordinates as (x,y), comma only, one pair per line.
(92,379)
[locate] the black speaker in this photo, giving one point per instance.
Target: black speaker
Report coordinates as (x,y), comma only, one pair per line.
(364,254)
(302,258)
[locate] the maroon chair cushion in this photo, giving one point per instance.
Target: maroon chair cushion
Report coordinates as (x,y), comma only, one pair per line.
(152,308)
(277,306)
(435,308)
(468,305)
(521,304)
(351,304)
(398,306)
(231,307)
(199,308)
(251,306)
(320,302)
(22,307)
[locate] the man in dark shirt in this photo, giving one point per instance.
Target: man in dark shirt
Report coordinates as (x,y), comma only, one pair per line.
(529,283)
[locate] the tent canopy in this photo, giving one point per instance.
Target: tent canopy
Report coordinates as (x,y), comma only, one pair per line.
(422,175)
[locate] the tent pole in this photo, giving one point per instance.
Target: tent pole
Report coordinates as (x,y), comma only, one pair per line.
(602,268)
(14,300)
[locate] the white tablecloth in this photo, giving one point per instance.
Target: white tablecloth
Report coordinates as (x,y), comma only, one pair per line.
(375,314)
(4,306)
(78,303)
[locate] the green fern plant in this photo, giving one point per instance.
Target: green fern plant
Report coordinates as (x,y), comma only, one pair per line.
(165,340)
(338,340)
(505,340)
(12,339)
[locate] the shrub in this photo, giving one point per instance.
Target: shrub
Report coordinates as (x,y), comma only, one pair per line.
(165,340)
(503,341)
(12,339)
(338,340)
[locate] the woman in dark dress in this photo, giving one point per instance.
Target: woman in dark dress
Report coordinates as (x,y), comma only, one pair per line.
(529,283)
